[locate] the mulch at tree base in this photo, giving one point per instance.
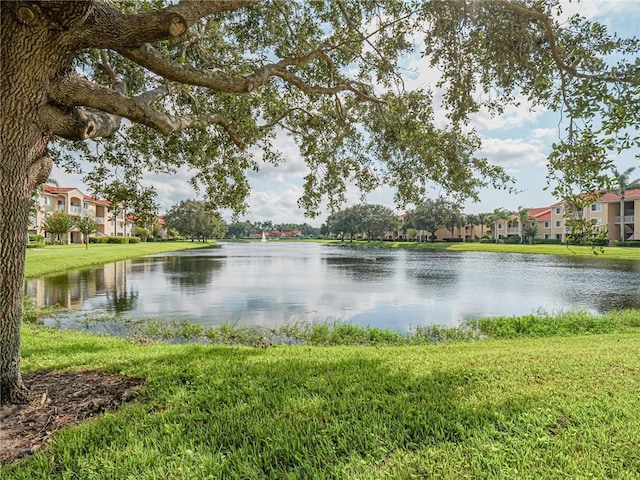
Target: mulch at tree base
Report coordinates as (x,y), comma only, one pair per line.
(58,399)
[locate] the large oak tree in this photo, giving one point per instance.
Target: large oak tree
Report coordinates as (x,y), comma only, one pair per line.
(139,87)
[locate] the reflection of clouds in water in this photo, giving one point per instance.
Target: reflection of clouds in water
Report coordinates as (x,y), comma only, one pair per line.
(282,283)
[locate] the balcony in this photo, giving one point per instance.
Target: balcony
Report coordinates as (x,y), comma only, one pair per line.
(75,210)
(627,219)
(513,231)
(100,220)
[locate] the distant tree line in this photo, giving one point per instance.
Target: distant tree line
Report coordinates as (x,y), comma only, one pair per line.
(368,220)
(246,228)
(196,220)
(374,222)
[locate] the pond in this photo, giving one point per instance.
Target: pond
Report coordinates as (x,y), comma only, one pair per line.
(279,283)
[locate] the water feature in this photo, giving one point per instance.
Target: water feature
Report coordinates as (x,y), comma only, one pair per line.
(280,282)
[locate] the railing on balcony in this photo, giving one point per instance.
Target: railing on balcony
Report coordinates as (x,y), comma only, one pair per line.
(73,210)
(627,219)
(100,220)
(61,208)
(513,231)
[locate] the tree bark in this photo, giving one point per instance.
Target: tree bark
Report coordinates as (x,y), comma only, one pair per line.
(34,52)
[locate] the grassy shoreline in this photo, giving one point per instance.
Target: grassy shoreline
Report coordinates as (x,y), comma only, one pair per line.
(617,253)
(58,258)
(558,407)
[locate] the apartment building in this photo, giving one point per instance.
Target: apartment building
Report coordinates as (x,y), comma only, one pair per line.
(620,216)
(74,202)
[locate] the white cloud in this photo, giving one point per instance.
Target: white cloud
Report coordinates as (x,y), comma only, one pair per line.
(279,206)
(512,117)
(513,153)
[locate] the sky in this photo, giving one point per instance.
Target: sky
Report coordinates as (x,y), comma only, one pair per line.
(519,141)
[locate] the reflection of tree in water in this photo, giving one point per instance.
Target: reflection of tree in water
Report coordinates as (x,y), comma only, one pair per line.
(617,301)
(121,301)
(191,271)
(362,268)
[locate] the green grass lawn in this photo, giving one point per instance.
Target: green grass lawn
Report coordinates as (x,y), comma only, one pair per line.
(571,250)
(556,407)
(57,258)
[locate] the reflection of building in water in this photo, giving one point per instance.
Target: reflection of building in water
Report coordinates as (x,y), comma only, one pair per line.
(71,289)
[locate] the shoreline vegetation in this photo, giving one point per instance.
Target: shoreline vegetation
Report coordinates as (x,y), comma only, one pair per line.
(543,395)
(540,324)
(617,253)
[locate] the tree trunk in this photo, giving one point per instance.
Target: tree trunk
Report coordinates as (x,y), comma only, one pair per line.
(622,216)
(32,57)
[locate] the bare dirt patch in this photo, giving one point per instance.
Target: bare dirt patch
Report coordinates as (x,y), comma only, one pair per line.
(58,399)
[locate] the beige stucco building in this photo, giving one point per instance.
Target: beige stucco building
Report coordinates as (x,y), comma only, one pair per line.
(620,217)
(72,201)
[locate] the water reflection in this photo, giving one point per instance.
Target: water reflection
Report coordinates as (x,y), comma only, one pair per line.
(277,283)
(190,274)
(365,269)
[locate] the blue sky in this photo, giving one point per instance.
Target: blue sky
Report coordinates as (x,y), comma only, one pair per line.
(519,141)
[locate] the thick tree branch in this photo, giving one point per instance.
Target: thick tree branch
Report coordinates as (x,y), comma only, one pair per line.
(151,59)
(110,28)
(194,10)
(78,124)
(39,171)
(76,91)
(553,44)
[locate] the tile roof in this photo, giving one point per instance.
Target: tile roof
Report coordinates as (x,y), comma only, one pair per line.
(53,189)
(614,196)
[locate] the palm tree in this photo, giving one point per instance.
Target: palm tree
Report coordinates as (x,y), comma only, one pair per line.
(531,231)
(456,220)
(523,216)
(472,221)
(492,219)
(624,183)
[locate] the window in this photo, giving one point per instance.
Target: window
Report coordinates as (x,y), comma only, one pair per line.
(47,200)
(596,221)
(558,210)
(85,205)
(558,223)
(547,224)
(547,236)
(500,226)
(596,207)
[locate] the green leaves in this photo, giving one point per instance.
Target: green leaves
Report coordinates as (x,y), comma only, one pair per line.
(192,219)
(336,56)
(59,223)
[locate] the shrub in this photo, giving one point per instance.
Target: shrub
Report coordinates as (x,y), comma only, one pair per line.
(134,239)
(35,241)
(119,240)
(101,239)
(486,239)
(546,241)
(512,239)
(630,243)
(36,238)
